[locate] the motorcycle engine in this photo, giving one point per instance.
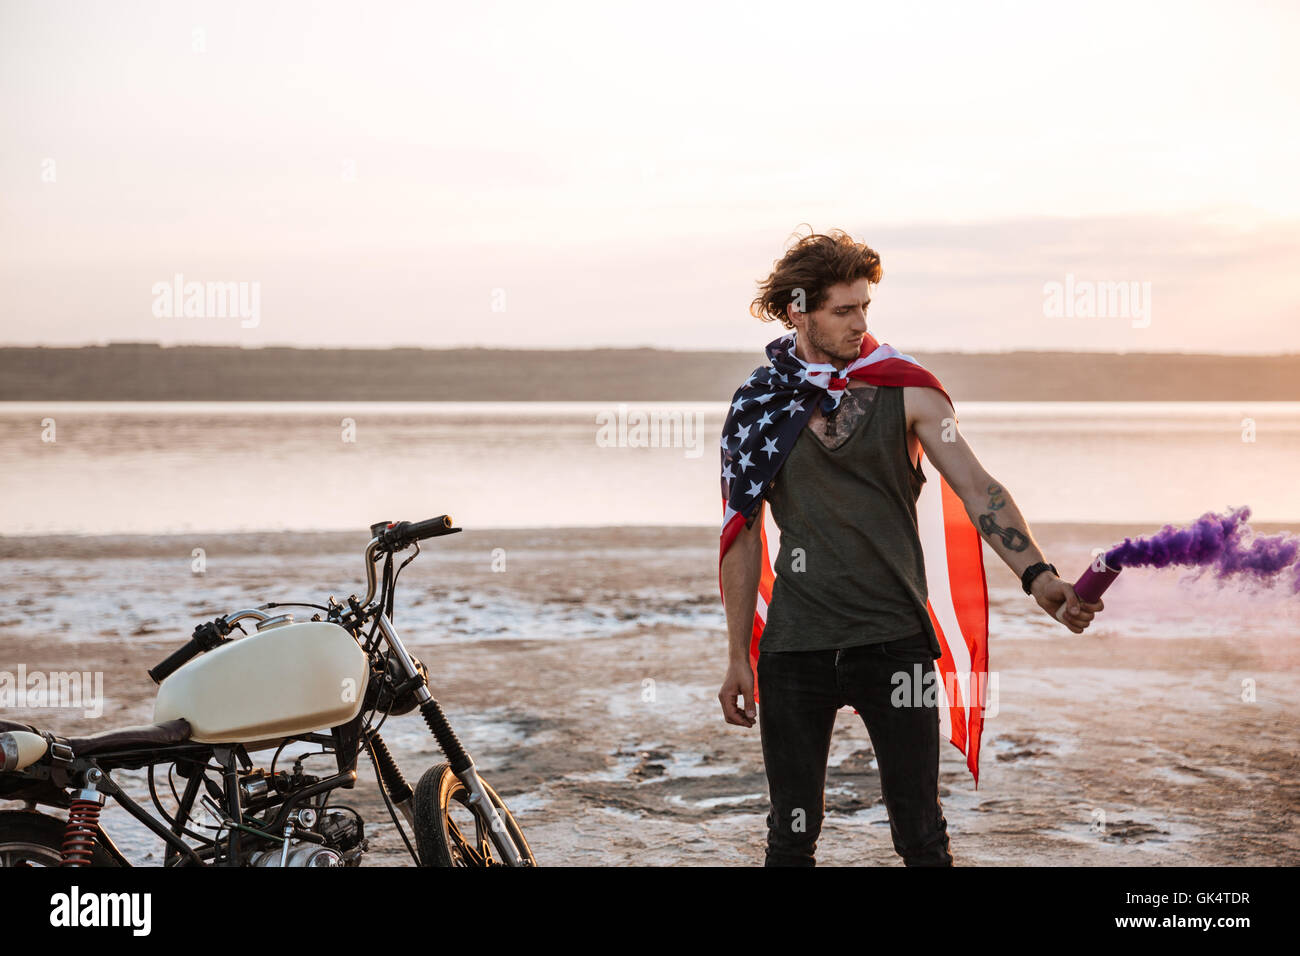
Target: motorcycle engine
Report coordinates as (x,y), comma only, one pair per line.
(344,837)
(300,854)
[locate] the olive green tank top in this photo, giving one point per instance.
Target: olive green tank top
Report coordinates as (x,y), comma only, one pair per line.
(850,569)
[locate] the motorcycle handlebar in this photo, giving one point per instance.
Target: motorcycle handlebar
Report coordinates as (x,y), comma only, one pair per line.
(392,536)
(388,537)
(430,528)
(396,535)
(206,636)
(173,663)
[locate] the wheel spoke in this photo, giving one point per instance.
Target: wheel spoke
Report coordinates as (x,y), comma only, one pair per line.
(484,842)
(472,857)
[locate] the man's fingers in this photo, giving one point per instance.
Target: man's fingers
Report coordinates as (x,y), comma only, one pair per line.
(1065,614)
(1071,600)
(1075,613)
(728,702)
(1075,619)
(730,712)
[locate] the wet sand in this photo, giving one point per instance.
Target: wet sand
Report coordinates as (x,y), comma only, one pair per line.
(583,678)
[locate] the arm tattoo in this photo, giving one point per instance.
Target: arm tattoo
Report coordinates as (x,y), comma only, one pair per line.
(1013,538)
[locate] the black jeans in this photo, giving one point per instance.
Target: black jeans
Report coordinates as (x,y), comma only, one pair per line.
(800,693)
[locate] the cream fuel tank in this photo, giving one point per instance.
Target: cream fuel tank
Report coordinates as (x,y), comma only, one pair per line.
(285,679)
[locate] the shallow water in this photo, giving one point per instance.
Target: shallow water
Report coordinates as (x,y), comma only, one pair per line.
(145,468)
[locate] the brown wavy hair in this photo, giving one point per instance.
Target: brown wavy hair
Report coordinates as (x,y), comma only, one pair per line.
(814,264)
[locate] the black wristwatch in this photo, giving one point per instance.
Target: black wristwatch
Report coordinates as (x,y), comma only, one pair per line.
(1033,571)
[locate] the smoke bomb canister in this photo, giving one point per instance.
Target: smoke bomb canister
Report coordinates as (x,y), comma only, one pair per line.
(1092,584)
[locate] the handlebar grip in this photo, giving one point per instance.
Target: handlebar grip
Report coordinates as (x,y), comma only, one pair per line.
(394,536)
(432,527)
(186,653)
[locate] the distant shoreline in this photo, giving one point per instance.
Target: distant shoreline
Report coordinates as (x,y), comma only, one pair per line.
(149,372)
(170,544)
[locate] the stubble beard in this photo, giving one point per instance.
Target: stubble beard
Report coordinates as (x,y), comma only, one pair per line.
(836,350)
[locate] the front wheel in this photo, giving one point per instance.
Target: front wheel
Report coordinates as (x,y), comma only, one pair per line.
(449,833)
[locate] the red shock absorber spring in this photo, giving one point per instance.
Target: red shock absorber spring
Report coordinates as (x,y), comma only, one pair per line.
(83,829)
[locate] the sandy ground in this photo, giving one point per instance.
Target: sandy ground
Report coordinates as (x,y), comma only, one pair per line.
(583,679)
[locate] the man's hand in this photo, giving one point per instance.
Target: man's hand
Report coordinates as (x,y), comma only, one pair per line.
(1051,593)
(739,683)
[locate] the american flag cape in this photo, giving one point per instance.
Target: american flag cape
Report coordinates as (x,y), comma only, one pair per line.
(767,414)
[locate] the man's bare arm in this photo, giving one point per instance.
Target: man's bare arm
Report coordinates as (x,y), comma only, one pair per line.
(989,505)
(741,568)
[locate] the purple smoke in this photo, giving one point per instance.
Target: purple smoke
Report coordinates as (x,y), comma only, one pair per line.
(1214,542)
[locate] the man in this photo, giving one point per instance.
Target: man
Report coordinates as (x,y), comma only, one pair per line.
(848,608)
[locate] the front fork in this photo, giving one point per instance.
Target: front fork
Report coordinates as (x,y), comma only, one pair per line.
(390,775)
(461,764)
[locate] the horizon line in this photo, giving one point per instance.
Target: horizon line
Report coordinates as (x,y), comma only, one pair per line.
(594,348)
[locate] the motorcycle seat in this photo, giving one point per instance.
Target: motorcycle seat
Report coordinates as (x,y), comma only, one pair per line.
(125,738)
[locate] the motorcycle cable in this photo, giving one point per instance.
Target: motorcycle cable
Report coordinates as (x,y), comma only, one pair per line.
(398,572)
(367,730)
(270,604)
(153,794)
(190,852)
(300,757)
(390,579)
(388,802)
(371,642)
(205,842)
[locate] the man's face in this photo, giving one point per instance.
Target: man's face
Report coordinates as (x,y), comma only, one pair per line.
(834,332)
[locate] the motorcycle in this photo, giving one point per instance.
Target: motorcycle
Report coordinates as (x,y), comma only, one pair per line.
(222,699)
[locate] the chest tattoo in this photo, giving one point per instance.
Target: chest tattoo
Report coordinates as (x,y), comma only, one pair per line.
(834,429)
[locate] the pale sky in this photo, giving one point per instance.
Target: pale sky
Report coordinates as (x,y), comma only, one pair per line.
(624,173)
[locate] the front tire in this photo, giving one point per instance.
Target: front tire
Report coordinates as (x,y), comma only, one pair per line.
(449,833)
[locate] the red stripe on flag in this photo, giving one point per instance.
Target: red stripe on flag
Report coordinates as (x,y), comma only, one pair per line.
(968,589)
(899,372)
(766,582)
(952,689)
